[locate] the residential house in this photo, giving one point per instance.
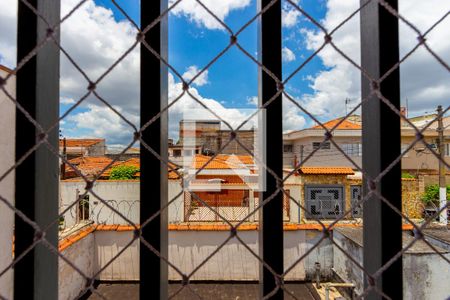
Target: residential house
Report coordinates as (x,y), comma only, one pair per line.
(207,137)
(419,159)
(82,147)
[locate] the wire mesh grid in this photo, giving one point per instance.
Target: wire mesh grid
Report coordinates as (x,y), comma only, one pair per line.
(370,183)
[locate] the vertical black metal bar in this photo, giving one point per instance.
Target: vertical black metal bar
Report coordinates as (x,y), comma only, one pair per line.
(153,188)
(36,184)
(381,146)
(271,229)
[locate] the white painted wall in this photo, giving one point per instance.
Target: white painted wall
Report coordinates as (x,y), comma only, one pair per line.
(425,273)
(187,249)
(122,195)
(81,254)
(7,157)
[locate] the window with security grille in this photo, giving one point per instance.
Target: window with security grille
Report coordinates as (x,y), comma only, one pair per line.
(321,145)
(355,199)
(324,202)
(352,149)
(288,148)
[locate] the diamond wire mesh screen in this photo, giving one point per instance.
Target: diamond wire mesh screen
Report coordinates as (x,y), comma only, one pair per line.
(214,211)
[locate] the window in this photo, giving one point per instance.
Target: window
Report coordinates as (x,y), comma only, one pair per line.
(352,149)
(325,145)
(324,201)
(288,148)
(447,149)
(176,153)
(83,209)
(404,147)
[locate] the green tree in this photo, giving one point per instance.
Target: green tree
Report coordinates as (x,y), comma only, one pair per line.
(123,172)
(431,194)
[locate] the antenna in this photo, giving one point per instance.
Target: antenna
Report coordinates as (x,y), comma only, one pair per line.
(347,102)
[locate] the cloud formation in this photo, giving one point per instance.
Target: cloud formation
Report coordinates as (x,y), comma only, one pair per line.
(287,55)
(197,14)
(423,80)
(192,71)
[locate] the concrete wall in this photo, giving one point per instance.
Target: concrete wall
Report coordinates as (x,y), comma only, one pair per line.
(107,246)
(121,195)
(425,273)
(81,254)
(187,249)
(7,158)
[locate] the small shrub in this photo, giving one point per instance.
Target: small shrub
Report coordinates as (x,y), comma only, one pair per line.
(407,175)
(123,172)
(431,194)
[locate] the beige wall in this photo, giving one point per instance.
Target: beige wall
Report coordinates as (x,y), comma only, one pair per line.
(415,158)
(323,157)
(420,158)
(7,142)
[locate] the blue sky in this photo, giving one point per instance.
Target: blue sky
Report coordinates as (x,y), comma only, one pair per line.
(98,34)
(233,79)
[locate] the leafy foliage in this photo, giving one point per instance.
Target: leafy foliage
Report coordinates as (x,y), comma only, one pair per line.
(407,175)
(123,172)
(431,194)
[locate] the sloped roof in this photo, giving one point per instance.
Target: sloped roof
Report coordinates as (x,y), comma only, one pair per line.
(326,171)
(346,124)
(5,68)
(80,142)
(93,165)
(89,165)
(221,161)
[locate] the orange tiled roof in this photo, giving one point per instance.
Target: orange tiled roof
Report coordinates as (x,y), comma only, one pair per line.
(222,161)
(89,165)
(79,235)
(5,68)
(326,171)
(80,142)
(93,165)
(344,125)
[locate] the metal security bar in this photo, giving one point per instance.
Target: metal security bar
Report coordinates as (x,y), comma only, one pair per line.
(154,93)
(381,146)
(271,231)
(36,254)
(36,275)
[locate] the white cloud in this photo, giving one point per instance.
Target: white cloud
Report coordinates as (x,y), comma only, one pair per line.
(187,108)
(65,100)
(8,25)
(193,71)
(197,14)
(100,121)
(289,17)
(253,100)
(423,81)
(288,55)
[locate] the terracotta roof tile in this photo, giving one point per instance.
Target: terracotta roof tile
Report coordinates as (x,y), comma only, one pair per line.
(326,171)
(222,161)
(346,124)
(80,142)
(5,68)
(93,165)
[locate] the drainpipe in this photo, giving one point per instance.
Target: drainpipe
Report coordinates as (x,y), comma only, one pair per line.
(317,267)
